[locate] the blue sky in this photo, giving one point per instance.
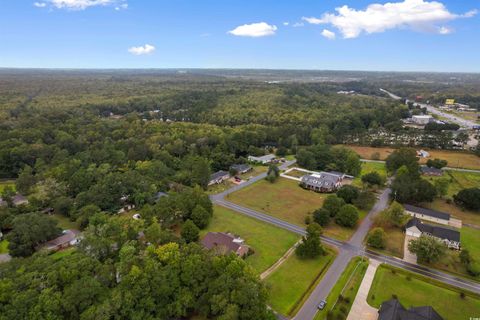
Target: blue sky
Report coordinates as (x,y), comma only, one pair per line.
(404,35)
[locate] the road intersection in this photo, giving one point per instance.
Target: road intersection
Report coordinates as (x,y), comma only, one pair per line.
(346,250)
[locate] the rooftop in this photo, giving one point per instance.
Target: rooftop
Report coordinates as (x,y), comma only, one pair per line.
(218,174)
(393,310)
(436,231)
(427,212)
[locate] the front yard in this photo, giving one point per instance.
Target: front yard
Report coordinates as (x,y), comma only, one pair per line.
(294,280)
(394,242)
(414,290)
(268,242)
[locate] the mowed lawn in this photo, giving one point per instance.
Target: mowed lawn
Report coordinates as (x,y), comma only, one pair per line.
(466,216)
(347,286)
(470,239)
(414,290)
(284,199)
(458,180)
(456,159)
(368,167)
(268,242)
(293,281)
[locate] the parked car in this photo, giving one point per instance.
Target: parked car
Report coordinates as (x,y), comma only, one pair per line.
(322,305)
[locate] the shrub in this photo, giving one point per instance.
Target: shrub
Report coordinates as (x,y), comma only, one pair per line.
(321,216)
(373,178)
(473,269)
(348,193)
(462,295)
(333,204)
(468,198)
(376,238)
(394,296)
(347,216)
(308,220)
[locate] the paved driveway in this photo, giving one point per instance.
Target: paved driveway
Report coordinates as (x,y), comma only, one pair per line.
(361,310)
(407,255)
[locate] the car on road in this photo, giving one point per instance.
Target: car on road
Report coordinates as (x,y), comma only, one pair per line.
(322,305)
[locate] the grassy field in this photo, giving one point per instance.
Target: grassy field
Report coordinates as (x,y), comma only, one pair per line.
(268,242)
(293,281)
(368,167)
(296,173)
(64,222)
(466,216)
(62,253)
(286,200)
(415,290)
(346,286)
(4,183)
(458,180)
(394,243)
(456,159)
(3,246)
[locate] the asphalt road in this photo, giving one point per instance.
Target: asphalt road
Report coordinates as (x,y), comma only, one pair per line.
(347,250)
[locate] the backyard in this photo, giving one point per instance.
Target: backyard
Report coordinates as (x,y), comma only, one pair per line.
(286,200)
(268,242)
(293,281)
(346,287)
(368,167)
(414,290)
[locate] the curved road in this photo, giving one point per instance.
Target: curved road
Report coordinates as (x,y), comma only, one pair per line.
(347,250)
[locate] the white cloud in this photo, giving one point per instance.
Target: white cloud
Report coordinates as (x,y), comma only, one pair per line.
(141,50)
(286,23)
(444,30)
(259,29)
(298,24)
(81,4)
(413,14)
(328,34)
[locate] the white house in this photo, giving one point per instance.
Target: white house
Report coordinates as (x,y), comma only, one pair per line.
(416,228)
(263,159)
(422,119)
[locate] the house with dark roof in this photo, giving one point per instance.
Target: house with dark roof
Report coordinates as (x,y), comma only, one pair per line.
(17,200)
(431,171)
(67,239)
(450,237)
(224,243)
(241,168)
(218,177)
(263,159)
(393,310)
(427,214)
(322,181)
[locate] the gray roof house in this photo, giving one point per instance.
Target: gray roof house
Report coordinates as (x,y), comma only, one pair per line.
(241,168)
(431,171)
(224,243)
(322,182)
(393,310)
(263,159)
(427,214)
(67,239)
(450,237)
(17,200)
(218,177)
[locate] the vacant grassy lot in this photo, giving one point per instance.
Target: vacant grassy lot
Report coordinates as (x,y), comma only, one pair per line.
(415,290)
(471,240)
(368,167)
(292,282)
(268,242)
(284,199)
(347,286)
(456,159)
(458,180)
(4,183)
(3,246)
(466,216)
(296,173)
(64,222)
(394,244)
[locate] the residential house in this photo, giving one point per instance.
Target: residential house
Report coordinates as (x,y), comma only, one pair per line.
(17,200)
(423,154)
(224,243)
(323,181)
(450,237)
(427,214)
(67,239)
(218,177)
(241,168)
(393,310)
(263,159)
(422,119)
(431,171)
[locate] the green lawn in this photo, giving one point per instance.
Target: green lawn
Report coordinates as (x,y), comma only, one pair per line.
(467,216)
(293,281)
(286,200)
(3,246)
(394,242)
(62,253)
(458,180)
(4,183)
(64,222)
(415,290)
(346,286)
(470,239)
(268,242)
(368,167)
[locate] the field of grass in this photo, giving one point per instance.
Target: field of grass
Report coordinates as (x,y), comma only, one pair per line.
(414,290)
(296,173)
(268,242)
(286,200)
(293,281)
(4,183)
(62,253)
(368,167)
(458,180)
(466,216)
(64,222)
(3,246)
(456,159)
(346,286)
(394,243)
